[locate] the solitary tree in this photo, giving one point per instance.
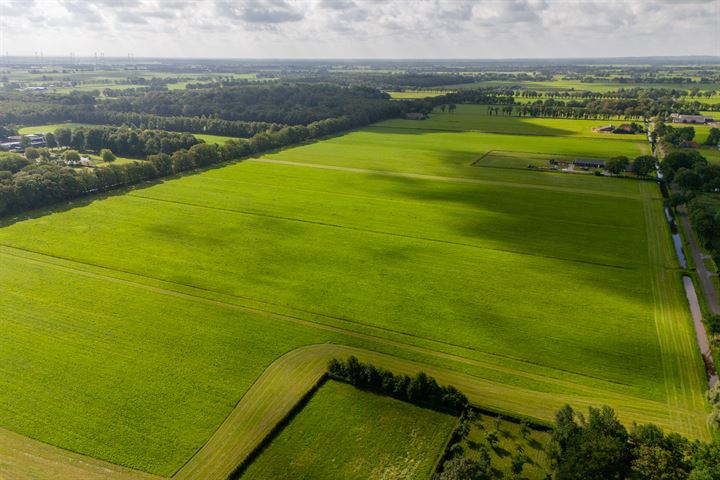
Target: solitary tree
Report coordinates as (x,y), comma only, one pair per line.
(452,107)
(50,140)
(688,180)
(32,153)
(616,165)
(492,438)
(107,155)
(643,165)
(71,156)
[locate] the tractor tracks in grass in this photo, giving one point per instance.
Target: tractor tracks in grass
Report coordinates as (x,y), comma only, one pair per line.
(421,176)
(611,393)
(381,232)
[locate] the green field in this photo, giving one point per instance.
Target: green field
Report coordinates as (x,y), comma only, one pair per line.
(348,433)
(134,323)
(503,159)
(52,127)
(219,139)
(476,118)
(410,95)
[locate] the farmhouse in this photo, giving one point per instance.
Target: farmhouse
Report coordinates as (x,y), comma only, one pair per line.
(605,129)
(11,146)
(589,163)
(415,116)
(681,118)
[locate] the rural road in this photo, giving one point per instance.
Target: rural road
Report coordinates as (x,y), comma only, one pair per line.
(708,288)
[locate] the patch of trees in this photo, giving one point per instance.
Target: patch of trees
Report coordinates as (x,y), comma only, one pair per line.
(668,136)
(19,108)
(292,104)
(599,447)
(420,389)
(122,141)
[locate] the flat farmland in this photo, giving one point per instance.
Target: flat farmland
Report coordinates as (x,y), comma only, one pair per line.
(402,441)
(477,118)
(135,323)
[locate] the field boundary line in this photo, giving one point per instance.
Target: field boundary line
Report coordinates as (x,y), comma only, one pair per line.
(475,130)
(380,232)
(422,176)
(684,375)
(278,389)
(411,202)
(25,458)
(581,389)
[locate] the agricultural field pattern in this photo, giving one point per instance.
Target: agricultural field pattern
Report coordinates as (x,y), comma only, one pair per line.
(417,245)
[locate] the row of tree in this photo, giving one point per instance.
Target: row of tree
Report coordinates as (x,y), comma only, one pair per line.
(420,389)
(26,186)
(203,124)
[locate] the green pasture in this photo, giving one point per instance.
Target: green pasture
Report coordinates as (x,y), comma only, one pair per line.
(711,153)
(559,84)
(411,95)
(477,118)
(348,433)
(50,128)
(134,322)
(701,132)
(501,159)
(407,147)
(219,139)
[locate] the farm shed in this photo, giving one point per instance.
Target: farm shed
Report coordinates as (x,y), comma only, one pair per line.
(680,118)
(415,116)
(589,163)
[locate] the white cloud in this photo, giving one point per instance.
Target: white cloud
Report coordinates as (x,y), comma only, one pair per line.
(362,28)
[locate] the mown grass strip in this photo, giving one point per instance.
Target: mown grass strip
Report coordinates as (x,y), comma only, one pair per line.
(22,458)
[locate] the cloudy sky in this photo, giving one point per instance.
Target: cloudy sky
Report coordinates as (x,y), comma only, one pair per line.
(361,28)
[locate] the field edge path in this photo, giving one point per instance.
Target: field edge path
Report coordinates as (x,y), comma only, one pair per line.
(22,458)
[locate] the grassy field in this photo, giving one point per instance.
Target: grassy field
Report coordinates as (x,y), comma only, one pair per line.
(22,458)
(510,439)
(415,94)
(219,139)
(184,292)
(347,433)
(476,118)
(51,127)
(501,159)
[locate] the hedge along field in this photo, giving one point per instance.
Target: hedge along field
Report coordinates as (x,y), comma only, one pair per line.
(190,278)
(332,438)
(476,118)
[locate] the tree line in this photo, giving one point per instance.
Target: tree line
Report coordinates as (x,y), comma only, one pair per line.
(25,186)
(420,389)
(203,124)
